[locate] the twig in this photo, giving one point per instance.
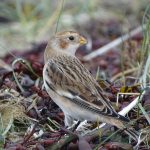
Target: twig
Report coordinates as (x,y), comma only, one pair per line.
(26,139)
(5,65)
(8,126)
(25,64)
(113,44)
(15,77)
(144,112)
(121,93)
(143,77)
(61,144)
(131,105)
(129,71)
(61,10)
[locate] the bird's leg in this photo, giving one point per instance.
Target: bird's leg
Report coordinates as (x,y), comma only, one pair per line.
(70,123)
(75,125)
(68,120)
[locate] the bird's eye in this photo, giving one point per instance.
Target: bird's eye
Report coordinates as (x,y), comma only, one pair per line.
(71,38)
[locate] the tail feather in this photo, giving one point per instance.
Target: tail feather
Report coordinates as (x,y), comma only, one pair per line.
(128,129)
(132,133)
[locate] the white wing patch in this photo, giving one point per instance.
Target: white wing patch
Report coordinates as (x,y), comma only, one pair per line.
(65,94)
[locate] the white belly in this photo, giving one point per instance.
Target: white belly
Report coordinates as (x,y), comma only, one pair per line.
(73,110)
(70,108)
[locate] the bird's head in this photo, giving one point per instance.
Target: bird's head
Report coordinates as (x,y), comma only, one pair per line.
(68,41)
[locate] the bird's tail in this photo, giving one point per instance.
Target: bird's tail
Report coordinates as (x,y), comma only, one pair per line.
(132,133)
(128,128)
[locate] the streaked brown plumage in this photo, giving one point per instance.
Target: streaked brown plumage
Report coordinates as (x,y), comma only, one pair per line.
(72,87)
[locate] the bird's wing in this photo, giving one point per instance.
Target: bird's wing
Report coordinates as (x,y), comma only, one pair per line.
(69,78)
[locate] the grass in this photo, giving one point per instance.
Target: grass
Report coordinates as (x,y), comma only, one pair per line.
(36,20)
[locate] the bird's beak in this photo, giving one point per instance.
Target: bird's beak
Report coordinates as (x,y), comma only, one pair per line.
(82,40)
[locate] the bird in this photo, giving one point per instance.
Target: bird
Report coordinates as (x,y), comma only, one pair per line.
(73,88)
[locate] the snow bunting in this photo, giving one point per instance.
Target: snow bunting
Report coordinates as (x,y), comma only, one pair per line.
(72,87)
